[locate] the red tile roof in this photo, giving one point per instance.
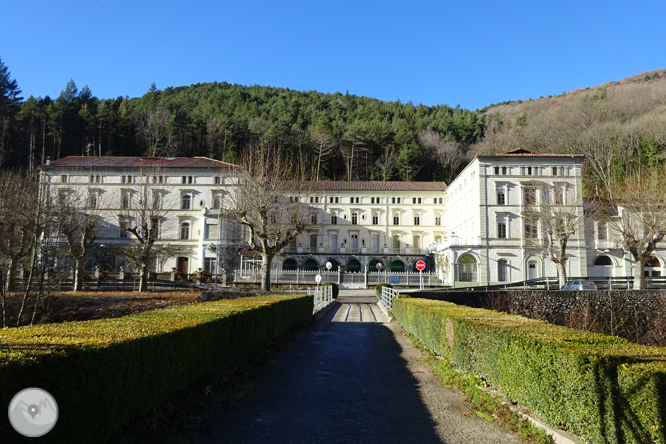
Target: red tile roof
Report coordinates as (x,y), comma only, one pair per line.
(521,152)
(365,186)
(138,162)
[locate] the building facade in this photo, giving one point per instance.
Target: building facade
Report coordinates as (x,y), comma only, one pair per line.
(478,230)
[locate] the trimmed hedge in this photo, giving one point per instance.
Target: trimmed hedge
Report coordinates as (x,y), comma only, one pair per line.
(599,387)
(106,372)
(336,288)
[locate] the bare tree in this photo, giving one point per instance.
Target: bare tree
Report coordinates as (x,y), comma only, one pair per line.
(641,216)
(153,127)
(387,162)
(561,217)
(324,146)
(272,208)
(144,208)
(450,155)
(79,222)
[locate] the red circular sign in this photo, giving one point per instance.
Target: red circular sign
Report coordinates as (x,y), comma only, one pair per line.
(420,265)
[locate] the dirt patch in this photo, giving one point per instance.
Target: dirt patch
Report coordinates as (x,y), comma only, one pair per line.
(85,306)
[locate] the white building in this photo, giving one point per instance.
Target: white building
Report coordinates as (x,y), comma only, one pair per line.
(188,192)
(476,231)
(490,237)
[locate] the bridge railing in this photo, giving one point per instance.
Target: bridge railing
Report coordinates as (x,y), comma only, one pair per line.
(388,294)
(323,295)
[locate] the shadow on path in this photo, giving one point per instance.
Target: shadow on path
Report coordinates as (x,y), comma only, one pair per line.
(337,383)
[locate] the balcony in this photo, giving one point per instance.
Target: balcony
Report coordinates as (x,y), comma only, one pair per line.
(456,241)
(605,244)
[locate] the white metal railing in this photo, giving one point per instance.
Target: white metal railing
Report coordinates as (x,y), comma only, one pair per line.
(323,295)
(278,276)
(388,294)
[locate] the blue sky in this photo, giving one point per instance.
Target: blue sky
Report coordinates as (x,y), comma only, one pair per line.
(433,52)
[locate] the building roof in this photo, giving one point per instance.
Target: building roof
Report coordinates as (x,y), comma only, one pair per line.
(521,152)
(359,185)
(137,162)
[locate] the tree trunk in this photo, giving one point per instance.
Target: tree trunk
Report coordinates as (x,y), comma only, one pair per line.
(145,275)
(266,263)
(79,274)
(639,275)
(562,273)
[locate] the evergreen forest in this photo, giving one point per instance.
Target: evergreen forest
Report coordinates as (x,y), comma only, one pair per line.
(620,126)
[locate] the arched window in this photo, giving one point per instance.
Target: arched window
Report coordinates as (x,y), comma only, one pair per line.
(603,260)
(502,267)
(652,267)
(353,266)
(289,264)
(186,202)
(467,269)
(397,265)
(185,230)
(372,266)
(311,265)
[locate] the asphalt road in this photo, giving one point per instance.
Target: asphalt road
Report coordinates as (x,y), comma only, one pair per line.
(352,378)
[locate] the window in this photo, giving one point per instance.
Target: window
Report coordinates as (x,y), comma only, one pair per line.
(413,200)
(337,200)
(209,265)
(504,171)
(186,202)
(531,231)
(92,199)
(313,219)
(354,218)
(183,180)
(334,219)
(154,179)
(185,230)
(372,200)
(497,170)
(375,219)
(554,171)
(351,199)
(417,219)
(501,196)
(125,200)
(330,200)
(438,219)
(157,200)
(559,194)
(62,198)
(161,179)
(603,260)
(92,178)
(502,266)
(396,219)
(501,228)
(217,200)
(212,231)
(333,238)
(218,180)
(602,230)
(98,179)
(354,241)
(393,200)
(529,195)
(123,223)
(63,178)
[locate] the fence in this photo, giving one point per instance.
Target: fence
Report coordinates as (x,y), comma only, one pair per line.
(110,285)
(344,279)
(388,294)
(323,295)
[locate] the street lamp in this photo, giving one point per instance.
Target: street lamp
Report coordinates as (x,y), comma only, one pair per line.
(379,271)
(329,265)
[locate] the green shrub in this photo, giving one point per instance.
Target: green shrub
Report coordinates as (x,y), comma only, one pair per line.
(378,289)
(336,288)
(106,372)
(601,388)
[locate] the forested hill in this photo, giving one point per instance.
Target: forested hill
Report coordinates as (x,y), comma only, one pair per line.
(328,136)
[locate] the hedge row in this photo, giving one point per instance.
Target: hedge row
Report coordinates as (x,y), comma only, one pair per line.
(104,373)
(599,387)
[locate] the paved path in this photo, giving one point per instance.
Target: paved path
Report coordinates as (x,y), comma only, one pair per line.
(352,378)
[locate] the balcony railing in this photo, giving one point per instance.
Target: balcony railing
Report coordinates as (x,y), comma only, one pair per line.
(351,250)
(457,241)
(605,244)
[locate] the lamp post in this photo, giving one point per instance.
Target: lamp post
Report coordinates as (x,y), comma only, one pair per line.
(329,265)
(217,247)
(379,271)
